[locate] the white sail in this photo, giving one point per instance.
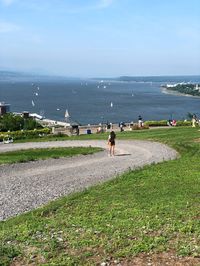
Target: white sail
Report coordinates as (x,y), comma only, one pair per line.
(33,104)
(67,114)
(111,104)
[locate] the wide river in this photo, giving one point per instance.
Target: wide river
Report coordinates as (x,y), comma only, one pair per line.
(95,101)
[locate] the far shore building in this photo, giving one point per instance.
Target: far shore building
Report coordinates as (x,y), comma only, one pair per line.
(197,87)
(4,108)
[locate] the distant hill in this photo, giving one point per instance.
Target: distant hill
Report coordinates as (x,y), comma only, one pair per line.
(15,76)
(24,76)
(4,73)
(163,79)
(160,78)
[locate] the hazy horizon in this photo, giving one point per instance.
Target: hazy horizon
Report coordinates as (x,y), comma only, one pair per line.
(24,73)
(100,38)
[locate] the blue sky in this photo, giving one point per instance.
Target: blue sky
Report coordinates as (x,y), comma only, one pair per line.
(107,38)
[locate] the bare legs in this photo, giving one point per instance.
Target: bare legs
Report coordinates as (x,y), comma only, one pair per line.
(112,150)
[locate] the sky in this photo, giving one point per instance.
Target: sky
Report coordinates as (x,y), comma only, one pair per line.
(100,38)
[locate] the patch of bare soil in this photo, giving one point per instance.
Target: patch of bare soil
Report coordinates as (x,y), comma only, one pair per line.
(159,259)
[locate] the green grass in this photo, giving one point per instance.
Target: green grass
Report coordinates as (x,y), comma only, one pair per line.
(153,134)
(41,154)
(153,209)
(43,138)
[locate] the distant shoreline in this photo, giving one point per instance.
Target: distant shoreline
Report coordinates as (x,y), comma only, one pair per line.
(176,93)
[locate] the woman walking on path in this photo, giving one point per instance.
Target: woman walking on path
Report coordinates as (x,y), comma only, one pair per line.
(111,143)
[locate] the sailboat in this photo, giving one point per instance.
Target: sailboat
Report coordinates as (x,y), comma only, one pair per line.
(111,104)
(67,114)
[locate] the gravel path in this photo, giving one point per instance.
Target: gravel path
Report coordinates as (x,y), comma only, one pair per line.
(25,186)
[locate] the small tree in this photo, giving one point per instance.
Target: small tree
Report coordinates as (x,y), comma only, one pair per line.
(16,122)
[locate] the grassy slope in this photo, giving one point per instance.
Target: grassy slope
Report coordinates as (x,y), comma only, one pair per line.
(41,154)
(149,210)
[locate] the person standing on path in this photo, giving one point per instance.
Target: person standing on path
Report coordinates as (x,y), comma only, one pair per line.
(111,143)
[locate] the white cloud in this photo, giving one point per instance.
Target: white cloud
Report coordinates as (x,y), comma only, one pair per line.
(89,6)
(8,27)
(105,3)
(7,2)
(67,5)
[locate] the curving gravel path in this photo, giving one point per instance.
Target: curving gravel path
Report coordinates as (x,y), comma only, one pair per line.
(25,186)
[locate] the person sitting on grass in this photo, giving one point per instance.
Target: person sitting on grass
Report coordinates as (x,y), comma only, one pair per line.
(111,143)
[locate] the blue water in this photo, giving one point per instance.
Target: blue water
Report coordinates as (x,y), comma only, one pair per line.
(89,101)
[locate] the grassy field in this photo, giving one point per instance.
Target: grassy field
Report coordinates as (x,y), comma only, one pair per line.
(41,154)
(148,211)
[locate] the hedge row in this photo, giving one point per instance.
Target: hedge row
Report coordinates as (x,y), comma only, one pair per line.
(165,123)
(137,127)
(156,123)
(23,134)
(183,123)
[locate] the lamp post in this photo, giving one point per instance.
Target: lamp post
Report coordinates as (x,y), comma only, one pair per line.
(102,117)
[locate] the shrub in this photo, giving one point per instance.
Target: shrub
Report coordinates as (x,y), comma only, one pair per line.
(14,122)
(165,123)
(156,123)
(136,127)
(23,134)
(183,123)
